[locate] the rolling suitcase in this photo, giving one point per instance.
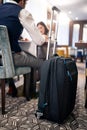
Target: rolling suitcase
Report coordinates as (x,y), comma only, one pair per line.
(58,87)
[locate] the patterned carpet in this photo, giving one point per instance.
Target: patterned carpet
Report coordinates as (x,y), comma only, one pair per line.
(21,113)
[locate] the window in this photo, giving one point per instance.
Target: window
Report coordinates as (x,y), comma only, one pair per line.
(75,34)
(84,33)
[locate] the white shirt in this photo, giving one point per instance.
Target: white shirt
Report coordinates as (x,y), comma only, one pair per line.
(27,22)
(37,39)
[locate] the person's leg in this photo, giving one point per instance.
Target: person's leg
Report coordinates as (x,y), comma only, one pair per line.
(35,63)
(33,92)
(26,59)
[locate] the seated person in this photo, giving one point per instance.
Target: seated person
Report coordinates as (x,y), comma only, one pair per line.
(35,74)
(15,18)
(43,28)
(40,50)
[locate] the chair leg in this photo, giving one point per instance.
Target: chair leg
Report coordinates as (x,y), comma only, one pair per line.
(3,95)
(26,90)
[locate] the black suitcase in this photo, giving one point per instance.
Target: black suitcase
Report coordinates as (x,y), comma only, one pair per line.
(58,84)
(58,87)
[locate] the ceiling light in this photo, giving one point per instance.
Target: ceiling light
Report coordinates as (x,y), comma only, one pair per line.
(76,18)
(70,12)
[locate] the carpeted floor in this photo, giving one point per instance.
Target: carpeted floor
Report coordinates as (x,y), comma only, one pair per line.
(21,113)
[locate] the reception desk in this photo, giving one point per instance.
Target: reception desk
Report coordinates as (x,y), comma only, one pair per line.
(81,45)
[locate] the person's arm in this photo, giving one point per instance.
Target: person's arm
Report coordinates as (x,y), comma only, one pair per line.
(27,22)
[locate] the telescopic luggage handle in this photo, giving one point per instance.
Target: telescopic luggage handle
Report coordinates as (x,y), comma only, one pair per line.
(54,8)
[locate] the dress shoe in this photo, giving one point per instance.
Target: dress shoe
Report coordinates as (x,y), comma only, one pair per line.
(9,91)
(35,95)
(12,91)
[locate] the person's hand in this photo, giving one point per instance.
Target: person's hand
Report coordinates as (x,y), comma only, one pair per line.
(46,38)
(25,39)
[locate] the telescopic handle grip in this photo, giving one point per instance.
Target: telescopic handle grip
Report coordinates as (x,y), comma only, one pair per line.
(55,8)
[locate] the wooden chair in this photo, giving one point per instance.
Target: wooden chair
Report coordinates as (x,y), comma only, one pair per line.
(7,69)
